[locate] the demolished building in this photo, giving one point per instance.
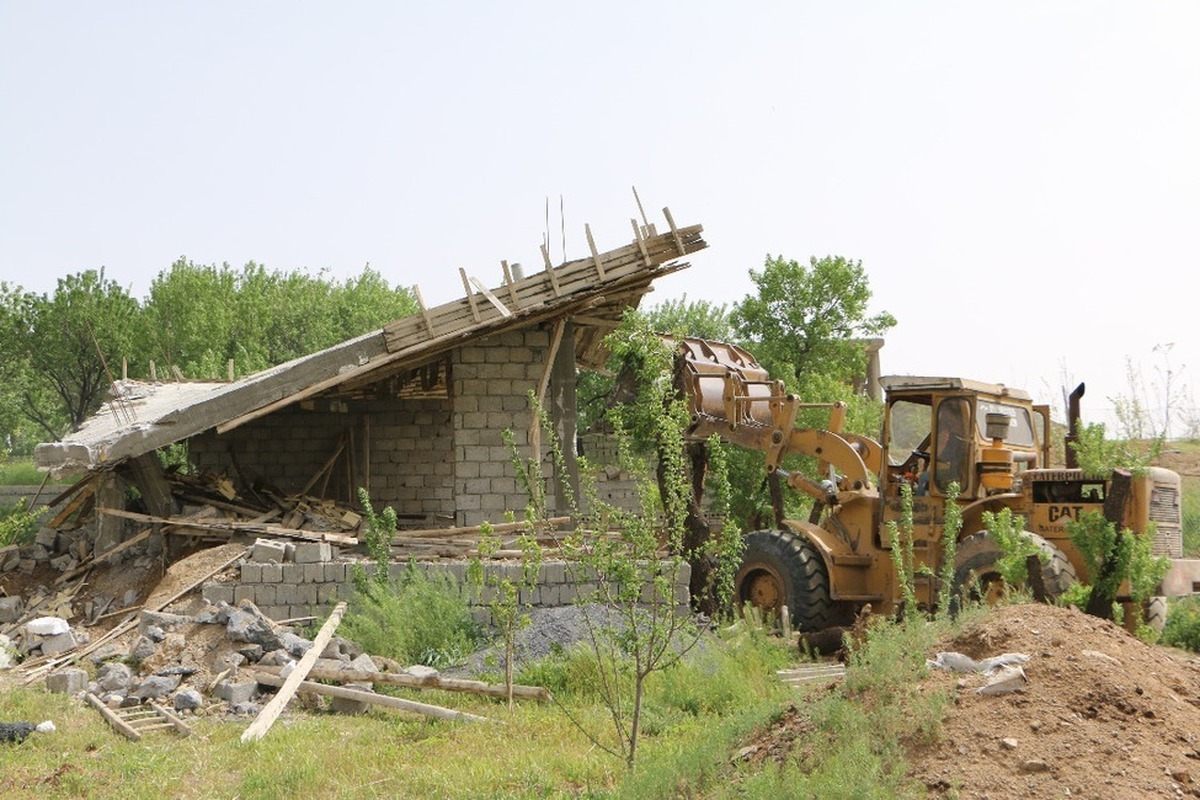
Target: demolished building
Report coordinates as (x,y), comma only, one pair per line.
(415,412)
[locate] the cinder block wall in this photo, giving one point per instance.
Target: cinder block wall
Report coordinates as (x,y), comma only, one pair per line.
(491,381)
(411,452)
(290,590)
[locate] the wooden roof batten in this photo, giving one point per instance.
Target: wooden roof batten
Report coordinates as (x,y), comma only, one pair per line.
(595,289)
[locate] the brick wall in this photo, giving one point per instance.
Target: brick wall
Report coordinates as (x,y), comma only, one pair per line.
(290,590)
(491,381)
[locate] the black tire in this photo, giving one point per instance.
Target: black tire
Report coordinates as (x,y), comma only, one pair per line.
(780,568)
(975,560)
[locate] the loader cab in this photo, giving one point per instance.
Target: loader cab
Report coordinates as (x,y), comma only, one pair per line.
(939,431)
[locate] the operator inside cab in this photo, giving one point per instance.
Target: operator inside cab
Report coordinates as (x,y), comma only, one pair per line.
(951,448)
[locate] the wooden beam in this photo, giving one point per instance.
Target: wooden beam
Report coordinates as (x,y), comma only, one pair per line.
(329,670)
(491,298)
(674,231)
(470,294)
(85,566)
(550,271)
(641,242)
(116,722)
(512,289)
(273,709)
(416,290)
(374,699)
(596,259)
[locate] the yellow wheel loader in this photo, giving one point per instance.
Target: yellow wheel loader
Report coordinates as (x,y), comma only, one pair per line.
(991,440)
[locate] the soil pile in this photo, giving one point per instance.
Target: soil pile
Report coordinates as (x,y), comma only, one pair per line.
(1103,715)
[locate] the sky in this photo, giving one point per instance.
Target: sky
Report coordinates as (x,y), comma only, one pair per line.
(1020,180)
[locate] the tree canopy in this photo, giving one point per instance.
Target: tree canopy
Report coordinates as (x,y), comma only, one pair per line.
(62,349)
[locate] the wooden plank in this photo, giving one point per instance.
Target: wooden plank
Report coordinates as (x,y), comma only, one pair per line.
(273,709)
(596,259)
(72,489)
(508,281)
(375,699)
(116,722)
(227,526)
(330,670)
(416,290)
(502,527)
(470,293)
(179,725)
(551,271)
(95,559)
(641,242)
(491,298)
(674,231)
(327,466)
(73,506)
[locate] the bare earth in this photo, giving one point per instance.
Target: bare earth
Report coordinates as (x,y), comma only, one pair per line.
(1103,715)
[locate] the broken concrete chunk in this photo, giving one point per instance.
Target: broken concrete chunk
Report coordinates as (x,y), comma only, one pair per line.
(244,626)
(67,681)
(59,643)
(114,677)
(47,626)
(295,645)
(10,609)
(188,700)
(161,620)
(47,538)
(143,648)
(157,686)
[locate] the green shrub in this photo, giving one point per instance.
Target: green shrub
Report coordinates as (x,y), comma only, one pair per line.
(1183,624)
(17,523)
(414,620)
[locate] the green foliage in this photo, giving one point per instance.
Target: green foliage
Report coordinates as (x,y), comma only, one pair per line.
(19,472)
(697,318)
(727,548)
(863,729)
(901,535)
(378,533)
(804,318)
(1182,628)
(1007,530)
(1131,556)
(951,528)
(18,523)
(417,619)
(501,591)
(1098,455)
(55,348)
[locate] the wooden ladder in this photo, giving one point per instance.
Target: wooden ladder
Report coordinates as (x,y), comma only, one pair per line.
(133,722)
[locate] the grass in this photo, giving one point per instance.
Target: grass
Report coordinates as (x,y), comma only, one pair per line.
(703,709)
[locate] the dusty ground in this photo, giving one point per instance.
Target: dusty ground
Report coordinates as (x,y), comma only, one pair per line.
(1103,715)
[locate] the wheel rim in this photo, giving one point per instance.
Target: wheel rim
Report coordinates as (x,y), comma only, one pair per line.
(762,587)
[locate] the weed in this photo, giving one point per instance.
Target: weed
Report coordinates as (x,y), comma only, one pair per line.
(417,619)
(1183,623)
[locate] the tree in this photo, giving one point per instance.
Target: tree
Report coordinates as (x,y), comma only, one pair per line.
(66,345)
(804,319)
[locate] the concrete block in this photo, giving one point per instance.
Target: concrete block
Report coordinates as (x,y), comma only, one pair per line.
(264,594)
(271,573)
(251,573)
(292,573)
(233,693)
(11,609)
(268,551)
(67,681)
(314,573)
(217,593)
(60,643)
(335,572)
(312,552)
(327,593)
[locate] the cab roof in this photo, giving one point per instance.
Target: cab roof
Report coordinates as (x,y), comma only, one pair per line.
(915,383)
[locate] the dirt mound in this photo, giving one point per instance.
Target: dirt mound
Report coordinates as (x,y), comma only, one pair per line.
(1103,715)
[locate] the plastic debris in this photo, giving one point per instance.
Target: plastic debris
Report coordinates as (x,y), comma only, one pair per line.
(957,662)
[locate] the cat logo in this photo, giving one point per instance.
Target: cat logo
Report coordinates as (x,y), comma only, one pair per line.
(1064,513)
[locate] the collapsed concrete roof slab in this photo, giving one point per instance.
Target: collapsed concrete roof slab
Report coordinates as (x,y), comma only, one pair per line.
(141,417)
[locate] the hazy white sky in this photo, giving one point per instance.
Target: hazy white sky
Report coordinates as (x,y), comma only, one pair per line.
(1021,180)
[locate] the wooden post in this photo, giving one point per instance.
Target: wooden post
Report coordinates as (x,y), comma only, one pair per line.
(273,709)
